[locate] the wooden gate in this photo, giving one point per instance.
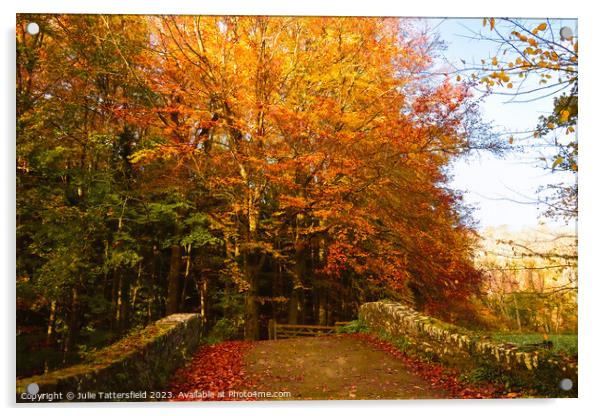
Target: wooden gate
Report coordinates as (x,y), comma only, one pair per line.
(281,331)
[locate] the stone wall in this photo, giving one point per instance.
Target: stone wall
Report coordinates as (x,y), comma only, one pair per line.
(140,362)
(452,343)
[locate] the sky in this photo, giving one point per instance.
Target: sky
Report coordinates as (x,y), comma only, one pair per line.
(502,190)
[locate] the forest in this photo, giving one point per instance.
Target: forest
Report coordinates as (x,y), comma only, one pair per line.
(243,168)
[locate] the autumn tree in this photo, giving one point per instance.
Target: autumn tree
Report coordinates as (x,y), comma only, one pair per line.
(534,60)
(73,173)
(297,122)
(242,167)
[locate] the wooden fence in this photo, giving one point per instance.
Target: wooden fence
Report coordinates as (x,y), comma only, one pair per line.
(281,331)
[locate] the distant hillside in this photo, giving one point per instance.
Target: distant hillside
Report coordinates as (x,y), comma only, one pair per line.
(531,277)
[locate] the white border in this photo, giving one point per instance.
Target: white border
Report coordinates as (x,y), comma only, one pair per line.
(589,176)
(553,8)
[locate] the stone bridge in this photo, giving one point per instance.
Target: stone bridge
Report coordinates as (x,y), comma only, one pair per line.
(145,361)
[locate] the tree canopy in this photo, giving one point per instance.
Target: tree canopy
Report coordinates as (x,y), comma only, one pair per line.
(240,167)
(536,59)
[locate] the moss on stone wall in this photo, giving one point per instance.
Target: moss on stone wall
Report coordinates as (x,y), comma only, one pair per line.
(142,361)
(538,368)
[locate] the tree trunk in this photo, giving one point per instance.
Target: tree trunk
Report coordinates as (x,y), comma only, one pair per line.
(558,316)
(517,313)
(322,308)
(295,303)
(251,309)
(115,284)
(173,280)
(134,289)
(188,249)
(51,321)
(50,332)
(123,302)
(73,324)
(293,307)
(252,263)
(154,300)
(202,288)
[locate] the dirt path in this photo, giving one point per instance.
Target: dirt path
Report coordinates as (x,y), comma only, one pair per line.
(332,367)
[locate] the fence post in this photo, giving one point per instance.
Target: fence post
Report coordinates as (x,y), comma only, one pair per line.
(271,332)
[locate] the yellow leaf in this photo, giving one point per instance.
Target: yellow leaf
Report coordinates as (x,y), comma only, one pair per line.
(564,116)
(550,125)
(511,140)
(458,78)
(491,23)
(542,26)
(484,21)
(494,61)
(509,85)
(536,135)
(532,42)
(557,161)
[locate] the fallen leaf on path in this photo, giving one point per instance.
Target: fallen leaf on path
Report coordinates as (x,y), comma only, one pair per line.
(213,371)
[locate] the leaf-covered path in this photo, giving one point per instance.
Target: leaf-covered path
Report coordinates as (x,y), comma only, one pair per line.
(344,367)
(337,367)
